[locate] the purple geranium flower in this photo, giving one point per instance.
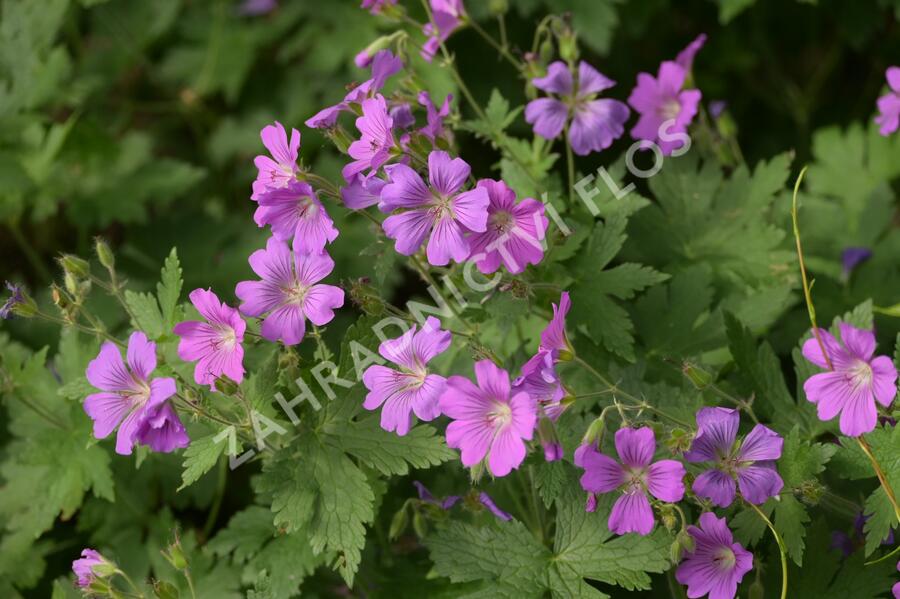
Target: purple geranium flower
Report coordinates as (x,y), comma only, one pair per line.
(717,565)
(131,399)
(635,477)
(666,110)
(409,388)
(895,590)
(384,64)
(254,8)
(450,500)
(595,123)
(84,568)
(215,344)
(488,420)
(434,116)
(889,104)
(279,170)
(514,231)
(295,212)
(289,291)
(852,257)
(443,211)
(447,16)
(751,466)
(376,141)
(855,380)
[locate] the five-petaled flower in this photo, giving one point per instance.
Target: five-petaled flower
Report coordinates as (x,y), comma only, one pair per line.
(594,123)
(635,477)
(410,388)
(854,382)
(289,292)
(294,212)
(215,344)
(489,420)
(717,564)
(443,211)
(749,466)
(131,400)
(281,168)
(889,104)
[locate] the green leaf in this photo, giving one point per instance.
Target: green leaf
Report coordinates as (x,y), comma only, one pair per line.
(147,316)
(168,290)
(200,457)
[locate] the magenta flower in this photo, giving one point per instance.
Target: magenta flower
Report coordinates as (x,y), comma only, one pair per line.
(553,337)
(16,297)
(255,8)
(634,478)
(488,420)
(384,65)
(750,466)
(289,292)
(855,380)
(895,590)
(84,568)
(852,257)
(666,110)
(376,141)
(595,123)
(447,16)
(295,212)
(685,58)
(215,344)
(443,210)
(717,565)
(279,170)
(130,400)
(514,231)
(376,6)
(410,388)
(434,116)
(889,104)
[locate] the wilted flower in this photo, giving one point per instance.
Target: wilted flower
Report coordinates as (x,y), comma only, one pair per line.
(215,344)
(855,380)
(634,478)
(595,123)
(749,466)
(449,501)
(410,388)
(489,421)
(289,292)
(717,564)
(131,401)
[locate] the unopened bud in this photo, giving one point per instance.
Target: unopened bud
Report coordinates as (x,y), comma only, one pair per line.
(684,543)
(71,283)
(399,522)
(104,253)
(699,377)
(546,51)
(810,491)
(590,505)
(75,265)
(165,590)
(175,555)
(679,441)
(498,7)
(568,46)
(756,590)
(420,526)
(226,385)
(594,433)
(668,517)
(476,472)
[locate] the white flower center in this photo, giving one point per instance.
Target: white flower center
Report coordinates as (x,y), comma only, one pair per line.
(227,338)
(296,295)
(306,208)
(670,109)
(500,415)
(501,221)
(635,480)
(861,374)
(724,558)
(442,206)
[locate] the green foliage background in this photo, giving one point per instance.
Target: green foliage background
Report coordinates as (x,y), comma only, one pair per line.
(138,121)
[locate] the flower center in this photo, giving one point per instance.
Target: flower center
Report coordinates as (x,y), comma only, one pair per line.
(139,393)
(669,109)
(227,338)
(296,295)
(442,206)
(724,558)
(501,221)
(500,414)
(635,480)
(861,374)
(305,207)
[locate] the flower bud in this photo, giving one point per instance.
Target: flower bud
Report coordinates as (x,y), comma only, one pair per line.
(668,517)
(420,526)
(175,555)
(226,385)
(553,450)
(594,433)
(590,505)
(498,7)
(679,441)
(756,590)
(399,522)
(684,543)
(104,253)
(71,283)
(75,265)
(699,377)
(545,52)
(165,590)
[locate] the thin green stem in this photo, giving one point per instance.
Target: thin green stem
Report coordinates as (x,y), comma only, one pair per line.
(810,308)
(426,276)
(570,165)
(501,48)
(190,582)
(130,583)
(30,254)
(781,549)
(217,502)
